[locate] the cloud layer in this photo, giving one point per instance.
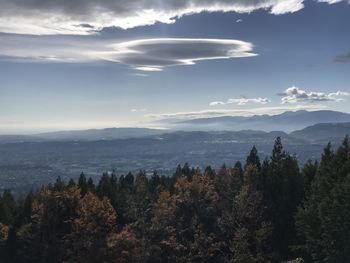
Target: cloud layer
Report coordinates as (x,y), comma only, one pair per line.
(144,54)
(88,16)
(296,95)
(207,113)
(241,101)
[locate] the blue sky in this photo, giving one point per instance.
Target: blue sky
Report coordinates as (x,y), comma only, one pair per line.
(134,67)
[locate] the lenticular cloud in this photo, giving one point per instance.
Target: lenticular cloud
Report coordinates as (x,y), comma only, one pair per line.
(143,54)
(155,54)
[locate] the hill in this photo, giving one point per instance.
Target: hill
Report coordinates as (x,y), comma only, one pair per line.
(323,132)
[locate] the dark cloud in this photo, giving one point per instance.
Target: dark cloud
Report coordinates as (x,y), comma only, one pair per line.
(71,16)
(345,58)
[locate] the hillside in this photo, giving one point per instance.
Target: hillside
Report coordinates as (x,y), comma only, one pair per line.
(323,132)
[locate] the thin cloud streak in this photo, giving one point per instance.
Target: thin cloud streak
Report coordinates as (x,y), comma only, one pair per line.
(234,112)
(138,110)
(241,101)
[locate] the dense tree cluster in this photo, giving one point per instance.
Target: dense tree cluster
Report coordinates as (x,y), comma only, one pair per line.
(262,211)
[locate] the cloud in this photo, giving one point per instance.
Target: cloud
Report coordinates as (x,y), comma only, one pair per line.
(155,54)
(82,17)
(150,69)
(143,75)
(296,95)
(217,103)
(143,55)
(241,101)
(330,1)
(234,112)
(287,6)
(138,110)
(50,48)
(345,58)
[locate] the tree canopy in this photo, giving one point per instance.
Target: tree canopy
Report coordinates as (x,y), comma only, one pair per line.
(260,211)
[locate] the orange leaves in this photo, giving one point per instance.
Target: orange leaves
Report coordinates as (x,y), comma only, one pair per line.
(4,232)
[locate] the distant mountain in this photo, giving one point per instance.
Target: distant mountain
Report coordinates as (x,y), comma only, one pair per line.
(84,135)
(323,132)
(249,137)
(288,121)
(19,138)
(257,128)
(100,134)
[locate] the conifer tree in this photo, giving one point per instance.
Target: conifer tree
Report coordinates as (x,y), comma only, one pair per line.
(252,238)
(285,190)
(82,184)
(323,219)
(253,159)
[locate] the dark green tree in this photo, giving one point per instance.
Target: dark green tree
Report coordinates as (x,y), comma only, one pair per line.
(253,159)
(82,184)
(284,189)
(252,238)
(323,219)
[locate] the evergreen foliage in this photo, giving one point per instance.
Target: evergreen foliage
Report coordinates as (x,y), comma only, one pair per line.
(270,211)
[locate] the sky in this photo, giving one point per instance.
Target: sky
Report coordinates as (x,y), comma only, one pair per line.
(81,64)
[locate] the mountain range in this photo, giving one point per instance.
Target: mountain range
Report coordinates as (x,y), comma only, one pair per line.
(288,121)
(311,126)
(28,161)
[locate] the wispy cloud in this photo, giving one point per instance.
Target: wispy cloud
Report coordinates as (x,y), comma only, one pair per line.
(86,17)
(138,110)
(241,101)
(234,112)
(143,75)
(344,58)
(330,1)
(144,54)
(296,95)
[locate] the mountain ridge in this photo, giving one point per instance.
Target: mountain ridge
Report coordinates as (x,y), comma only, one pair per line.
(320,131)
(250,127)
(288,121)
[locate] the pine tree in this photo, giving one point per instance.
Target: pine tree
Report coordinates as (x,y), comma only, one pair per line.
(7,208)
(59,184)
(82,184)
(90,185)
(323,219)
(71,183)
(252,238)
(253,159)
(284,189)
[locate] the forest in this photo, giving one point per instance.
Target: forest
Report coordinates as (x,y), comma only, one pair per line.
(269,210)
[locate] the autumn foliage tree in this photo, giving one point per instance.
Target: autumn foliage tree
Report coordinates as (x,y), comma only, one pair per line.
(258,211)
